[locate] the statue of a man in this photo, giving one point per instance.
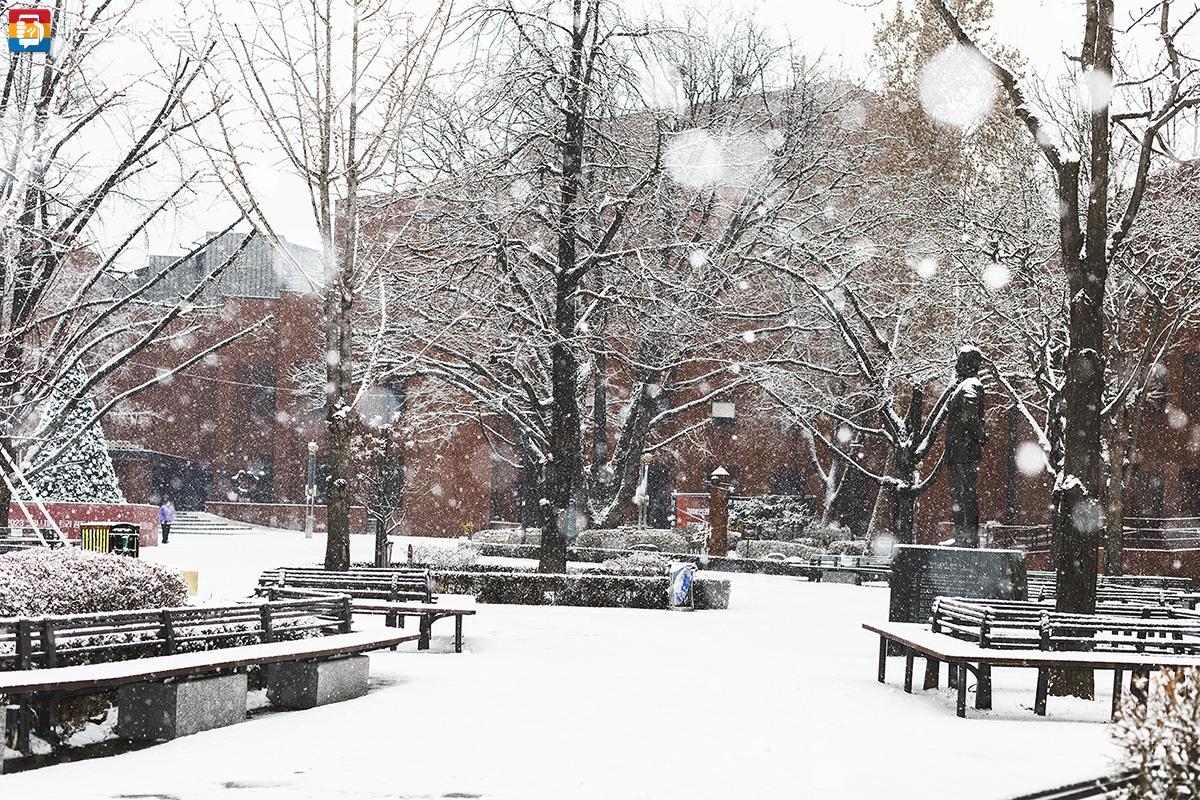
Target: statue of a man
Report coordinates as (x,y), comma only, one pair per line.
(965,437)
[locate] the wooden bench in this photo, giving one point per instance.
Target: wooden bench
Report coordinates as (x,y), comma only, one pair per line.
(393,585)
(1108,786)
(876,568)
(1018,623)
(93,641)
(427,614)
(49,684)
(917,640)
(394,612)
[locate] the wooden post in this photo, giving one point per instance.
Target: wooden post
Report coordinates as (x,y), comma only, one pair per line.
(24,644)
(720,487)
(48,647)
(268,630)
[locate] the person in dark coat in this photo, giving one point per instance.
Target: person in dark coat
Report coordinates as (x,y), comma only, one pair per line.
(965,438)
(166,516)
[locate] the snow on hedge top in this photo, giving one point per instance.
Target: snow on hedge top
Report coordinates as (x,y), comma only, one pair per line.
(72,581)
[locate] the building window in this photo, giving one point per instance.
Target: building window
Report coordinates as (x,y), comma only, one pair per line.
(258,387)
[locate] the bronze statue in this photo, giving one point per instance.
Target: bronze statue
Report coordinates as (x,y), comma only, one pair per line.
(965,437)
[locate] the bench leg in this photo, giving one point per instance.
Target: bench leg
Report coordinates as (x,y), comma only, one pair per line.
(423,640)
(952,676)
(24,724)
(1118,675)
(983,690)
(1139,685)
(458,633)
(883,648)
(1043,689)
(961,705)
(908,670)
(389,620)
(933,673)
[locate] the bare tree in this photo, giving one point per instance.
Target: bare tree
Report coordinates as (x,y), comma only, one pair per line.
(1096,214)
(335,84)
(71,318)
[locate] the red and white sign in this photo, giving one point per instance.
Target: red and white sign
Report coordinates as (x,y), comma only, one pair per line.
(690,508)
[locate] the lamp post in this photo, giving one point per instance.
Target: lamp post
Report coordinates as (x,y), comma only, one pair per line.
(310,490)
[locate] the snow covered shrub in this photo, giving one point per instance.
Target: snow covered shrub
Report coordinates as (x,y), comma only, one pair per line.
(505,536)
(752,548)
(780,516)
(435,557)
(1160,738)
(665,540)
(637,564)
(72,581)
(824,534)
(603,538)
(848,547)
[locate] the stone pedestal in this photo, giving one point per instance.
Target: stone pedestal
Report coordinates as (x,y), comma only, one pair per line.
(922,572)
(306,684)
(170,710)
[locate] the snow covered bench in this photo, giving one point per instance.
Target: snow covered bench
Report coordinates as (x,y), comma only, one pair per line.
(391,584)
(394,612)
(163,697)
(456,606)
(46,646)
(915,639)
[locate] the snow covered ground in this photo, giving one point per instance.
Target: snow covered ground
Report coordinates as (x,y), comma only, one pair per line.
(775,697)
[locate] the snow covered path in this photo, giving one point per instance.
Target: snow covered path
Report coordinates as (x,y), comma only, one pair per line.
(615,704)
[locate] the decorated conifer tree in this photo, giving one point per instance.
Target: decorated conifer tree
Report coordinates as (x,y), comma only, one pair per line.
(83,472)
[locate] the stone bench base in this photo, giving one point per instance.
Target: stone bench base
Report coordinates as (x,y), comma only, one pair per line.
(169,710)
(841,576)
(302,684)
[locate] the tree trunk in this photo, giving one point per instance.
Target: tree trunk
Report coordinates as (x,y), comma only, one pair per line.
(381,543)
(1081,517)
(563,471)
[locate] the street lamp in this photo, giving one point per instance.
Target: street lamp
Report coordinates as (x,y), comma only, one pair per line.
(310,490)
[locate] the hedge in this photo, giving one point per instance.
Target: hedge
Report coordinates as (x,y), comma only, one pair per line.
(577,589)
(67,580)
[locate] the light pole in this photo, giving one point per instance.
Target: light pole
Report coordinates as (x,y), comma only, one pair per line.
(310,490)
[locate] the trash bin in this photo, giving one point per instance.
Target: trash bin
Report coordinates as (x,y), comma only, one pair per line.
(94,536)
(123,539)
(110,537)
(679,590)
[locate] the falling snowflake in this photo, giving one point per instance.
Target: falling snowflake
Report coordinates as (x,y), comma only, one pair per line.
(958,87)
(1031,459)
(996,276)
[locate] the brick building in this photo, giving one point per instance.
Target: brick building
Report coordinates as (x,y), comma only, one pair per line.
(237,426)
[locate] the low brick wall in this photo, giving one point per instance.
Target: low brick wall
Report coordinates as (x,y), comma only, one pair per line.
(289,516)
(69,516)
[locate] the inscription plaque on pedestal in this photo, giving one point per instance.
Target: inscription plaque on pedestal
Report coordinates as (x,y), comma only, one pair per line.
(922,572)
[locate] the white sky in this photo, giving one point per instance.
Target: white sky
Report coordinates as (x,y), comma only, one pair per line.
(839,31)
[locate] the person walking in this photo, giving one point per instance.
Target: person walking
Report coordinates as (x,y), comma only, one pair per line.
(166,516)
